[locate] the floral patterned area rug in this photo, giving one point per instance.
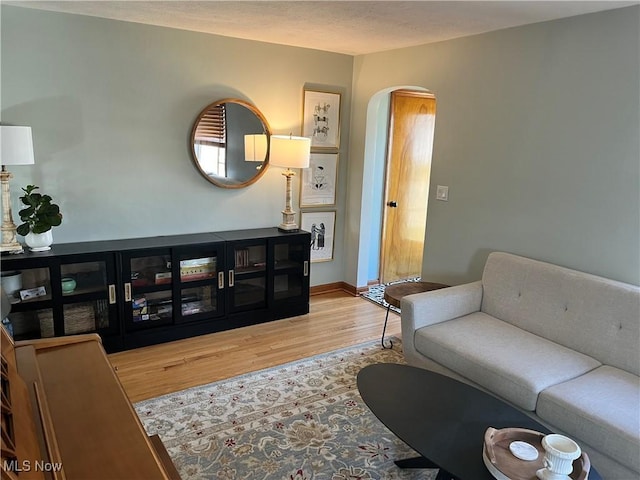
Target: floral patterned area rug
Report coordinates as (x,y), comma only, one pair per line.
(300,421)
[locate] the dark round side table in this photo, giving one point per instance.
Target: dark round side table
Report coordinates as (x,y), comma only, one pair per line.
(393,295)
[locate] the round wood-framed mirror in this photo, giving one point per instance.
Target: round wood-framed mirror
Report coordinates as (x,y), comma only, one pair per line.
(230,143)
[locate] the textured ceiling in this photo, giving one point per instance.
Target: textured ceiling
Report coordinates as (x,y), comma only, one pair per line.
(353,27)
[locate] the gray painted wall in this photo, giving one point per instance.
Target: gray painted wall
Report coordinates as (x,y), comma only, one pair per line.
(112,105)
(537,134)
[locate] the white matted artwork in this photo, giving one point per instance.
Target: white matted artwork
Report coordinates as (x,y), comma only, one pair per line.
(321,119)
(322,226)
(318,185)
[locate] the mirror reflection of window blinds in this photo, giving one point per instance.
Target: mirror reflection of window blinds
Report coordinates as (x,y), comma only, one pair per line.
(212,127)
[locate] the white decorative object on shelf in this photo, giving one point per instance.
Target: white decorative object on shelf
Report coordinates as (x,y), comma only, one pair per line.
(502,462)
(39,242)
(523,450)
(11,282)
(560,452)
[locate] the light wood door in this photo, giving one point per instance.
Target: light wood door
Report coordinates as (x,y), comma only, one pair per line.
(410,142)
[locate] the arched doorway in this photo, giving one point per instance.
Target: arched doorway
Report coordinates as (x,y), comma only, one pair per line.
(372,202)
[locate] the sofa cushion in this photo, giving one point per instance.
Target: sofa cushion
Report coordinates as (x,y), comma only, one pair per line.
(590,314)
(506,360)
(602,408)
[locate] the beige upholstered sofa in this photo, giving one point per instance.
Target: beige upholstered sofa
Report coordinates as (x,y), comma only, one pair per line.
(562,345)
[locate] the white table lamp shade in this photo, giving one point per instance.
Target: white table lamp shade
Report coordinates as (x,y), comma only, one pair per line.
(290,152)
(16,145)
(255,147)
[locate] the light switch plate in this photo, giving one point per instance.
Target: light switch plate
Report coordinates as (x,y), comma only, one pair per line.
(442,193)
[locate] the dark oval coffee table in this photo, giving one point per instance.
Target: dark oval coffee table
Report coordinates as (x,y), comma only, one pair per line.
(442,419)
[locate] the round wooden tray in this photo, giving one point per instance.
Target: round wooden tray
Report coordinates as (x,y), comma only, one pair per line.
(503,465)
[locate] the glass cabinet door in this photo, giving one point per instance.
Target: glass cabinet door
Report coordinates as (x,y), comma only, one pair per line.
(151,307)
(63,296)
(27,285)
(89,298)
(148,296)
(247,275)
(201,282)
(31,324)
(30,294)
(291,270)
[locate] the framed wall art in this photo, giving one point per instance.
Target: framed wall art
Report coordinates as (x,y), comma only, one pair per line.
(322,228)
(321,119)
(319,180)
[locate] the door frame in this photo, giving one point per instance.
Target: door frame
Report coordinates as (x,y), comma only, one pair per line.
(386,233)
(371,206)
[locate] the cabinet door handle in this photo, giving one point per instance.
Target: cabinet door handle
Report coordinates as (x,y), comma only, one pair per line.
(220,280)
(306,268)
(127,292)
(231,278)
(112,294)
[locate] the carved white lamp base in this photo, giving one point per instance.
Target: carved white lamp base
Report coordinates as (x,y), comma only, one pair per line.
(288,222)
(9,242)
(288,215)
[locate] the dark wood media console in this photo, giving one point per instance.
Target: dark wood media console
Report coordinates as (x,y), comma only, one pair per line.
(143,291)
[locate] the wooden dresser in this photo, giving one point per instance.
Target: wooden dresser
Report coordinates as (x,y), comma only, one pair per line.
(65,415)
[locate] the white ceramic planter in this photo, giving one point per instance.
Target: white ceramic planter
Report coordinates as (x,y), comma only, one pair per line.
(11,282)
(39,242)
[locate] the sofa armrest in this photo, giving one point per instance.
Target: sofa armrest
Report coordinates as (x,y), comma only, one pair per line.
(436,306)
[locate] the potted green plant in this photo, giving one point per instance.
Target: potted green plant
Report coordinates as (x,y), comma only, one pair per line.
(39,216)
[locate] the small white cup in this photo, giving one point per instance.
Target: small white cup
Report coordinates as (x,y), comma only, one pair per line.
(560,452)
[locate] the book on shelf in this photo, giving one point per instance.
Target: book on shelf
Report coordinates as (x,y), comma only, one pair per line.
(139,309)
(191,308)
(197,272)
(242,258)
(198,262)
(190,277)
(162,278)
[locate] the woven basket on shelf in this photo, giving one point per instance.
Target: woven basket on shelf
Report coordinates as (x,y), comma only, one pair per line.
(46,323)
(77,319)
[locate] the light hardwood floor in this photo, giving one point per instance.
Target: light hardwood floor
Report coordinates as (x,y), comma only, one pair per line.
(335,320)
